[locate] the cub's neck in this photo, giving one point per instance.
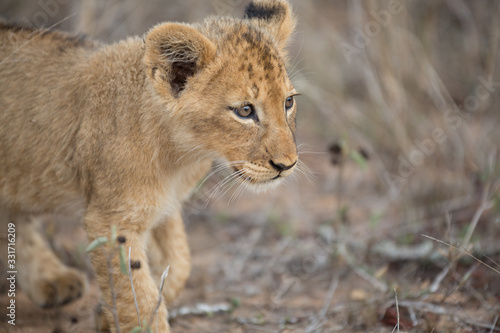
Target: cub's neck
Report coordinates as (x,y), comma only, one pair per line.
(123,101)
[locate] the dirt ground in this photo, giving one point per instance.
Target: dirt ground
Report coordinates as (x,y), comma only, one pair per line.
(388,224)
(269,266)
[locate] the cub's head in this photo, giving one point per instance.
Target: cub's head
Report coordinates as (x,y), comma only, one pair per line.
(226,90)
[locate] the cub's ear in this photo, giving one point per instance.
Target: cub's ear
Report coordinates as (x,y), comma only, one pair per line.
(275,16)
(175,52)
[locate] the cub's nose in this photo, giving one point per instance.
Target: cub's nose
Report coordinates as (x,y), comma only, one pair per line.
(280,166)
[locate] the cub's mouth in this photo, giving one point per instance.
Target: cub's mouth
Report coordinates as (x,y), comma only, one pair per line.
(259,176)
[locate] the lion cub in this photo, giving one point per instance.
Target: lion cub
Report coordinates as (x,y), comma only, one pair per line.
(123,132)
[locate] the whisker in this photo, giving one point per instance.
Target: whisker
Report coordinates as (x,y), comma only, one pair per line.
(190,151)
(239,190)
(224,181)
(217,169)
(302,145)
(233,179)
(233,183)
(294,63)
(295,176)
(301,73)
(240,182)
(205,156)
(234,193)
(304,170)
(312,153)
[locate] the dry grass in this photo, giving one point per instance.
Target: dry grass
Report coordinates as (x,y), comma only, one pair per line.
(414,92)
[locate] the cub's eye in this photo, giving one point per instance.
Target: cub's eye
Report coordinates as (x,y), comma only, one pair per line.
(289,103)
(246,111)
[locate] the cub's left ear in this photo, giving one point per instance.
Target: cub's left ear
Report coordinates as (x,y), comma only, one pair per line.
(275,16)
(174,53)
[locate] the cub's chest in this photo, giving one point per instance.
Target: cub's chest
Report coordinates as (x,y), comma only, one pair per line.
(180,185)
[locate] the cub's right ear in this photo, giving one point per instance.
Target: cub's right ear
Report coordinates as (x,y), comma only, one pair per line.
(275,16)
(175,52)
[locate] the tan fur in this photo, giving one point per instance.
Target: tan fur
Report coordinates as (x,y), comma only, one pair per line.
(125,131)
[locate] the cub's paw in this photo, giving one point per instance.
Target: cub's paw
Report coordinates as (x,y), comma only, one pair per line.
(59,289)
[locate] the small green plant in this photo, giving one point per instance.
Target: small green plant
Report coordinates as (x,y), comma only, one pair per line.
(375,219)
(359,159)
(235,302)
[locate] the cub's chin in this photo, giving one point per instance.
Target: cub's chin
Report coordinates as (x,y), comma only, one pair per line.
(261,185)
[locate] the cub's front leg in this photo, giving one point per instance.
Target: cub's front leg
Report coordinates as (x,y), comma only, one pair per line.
(133,228)
(168,246)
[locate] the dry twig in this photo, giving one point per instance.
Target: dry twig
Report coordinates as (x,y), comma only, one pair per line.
(461,249)
(397,311)
(158,304)
(319,320)
(485,205)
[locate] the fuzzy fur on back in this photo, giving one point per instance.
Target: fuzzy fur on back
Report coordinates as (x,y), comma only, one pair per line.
(123,132)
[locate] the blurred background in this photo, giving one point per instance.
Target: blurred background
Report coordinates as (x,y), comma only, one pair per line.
(398,214)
